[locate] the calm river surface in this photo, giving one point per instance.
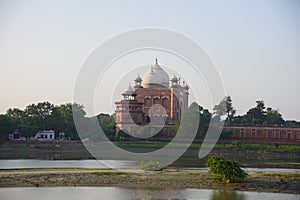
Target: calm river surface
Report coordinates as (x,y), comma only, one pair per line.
(25,164)
(113,193)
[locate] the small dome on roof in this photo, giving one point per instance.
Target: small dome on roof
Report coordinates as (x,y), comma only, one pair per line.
(174,79)
(138,78)
(129,90)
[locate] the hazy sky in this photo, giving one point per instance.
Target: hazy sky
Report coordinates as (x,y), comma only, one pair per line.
(254,44)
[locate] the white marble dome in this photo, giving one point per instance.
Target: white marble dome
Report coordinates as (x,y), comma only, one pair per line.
(156,77)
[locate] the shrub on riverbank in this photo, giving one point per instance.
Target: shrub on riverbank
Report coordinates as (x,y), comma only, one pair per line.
(225,170)
(150,166)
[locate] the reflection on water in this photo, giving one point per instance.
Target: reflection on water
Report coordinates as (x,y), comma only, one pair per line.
(225,195)
(113,193)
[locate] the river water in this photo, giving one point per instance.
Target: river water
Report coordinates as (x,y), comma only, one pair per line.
(114,193)
(118,164)
(23,164)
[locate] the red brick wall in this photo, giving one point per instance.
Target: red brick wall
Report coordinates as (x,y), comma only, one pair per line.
(264,134)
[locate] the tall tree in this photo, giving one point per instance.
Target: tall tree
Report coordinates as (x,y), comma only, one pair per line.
(39,114)
(56,121)
(6,125)
(27,130)
(205,118)
(225,108)
(256,115)
(16,115)
(188,121)
(107,124)
(195,116)
(66,113)
(273,117)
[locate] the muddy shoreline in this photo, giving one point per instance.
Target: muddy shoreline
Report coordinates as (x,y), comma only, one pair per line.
(133,178)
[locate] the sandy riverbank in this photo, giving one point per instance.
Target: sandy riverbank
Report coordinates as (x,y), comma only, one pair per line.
(169,178)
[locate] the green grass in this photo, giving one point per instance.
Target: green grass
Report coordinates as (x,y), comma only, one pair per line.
(146,144)
(109,173)
(283,148)
(274,175)
(43,150)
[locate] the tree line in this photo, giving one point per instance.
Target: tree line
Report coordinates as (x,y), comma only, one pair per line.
(258,115)
(47,116)
(40,116)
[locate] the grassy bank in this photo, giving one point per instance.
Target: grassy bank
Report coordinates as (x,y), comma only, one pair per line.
(168,178)
(44,150)
(271,148)
(248,154)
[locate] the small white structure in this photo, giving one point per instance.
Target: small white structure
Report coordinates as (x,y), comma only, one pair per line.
(61,136)
(45,135)
(15,135)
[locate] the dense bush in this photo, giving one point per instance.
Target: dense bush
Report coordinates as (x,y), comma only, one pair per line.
(225,170)
(150,166)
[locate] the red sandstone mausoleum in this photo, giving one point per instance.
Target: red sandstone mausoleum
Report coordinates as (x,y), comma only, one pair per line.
(155,98)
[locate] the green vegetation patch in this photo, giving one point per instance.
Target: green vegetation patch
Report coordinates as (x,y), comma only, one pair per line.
(109,173)
(150,166)
(225,170)
(274,175)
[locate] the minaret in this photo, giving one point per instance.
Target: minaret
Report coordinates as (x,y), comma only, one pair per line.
(174,99)
(185,97)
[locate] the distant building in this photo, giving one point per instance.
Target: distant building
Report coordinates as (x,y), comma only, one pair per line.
(152,98)
(15,135)
(45,135)
(61,136)
(264,134)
